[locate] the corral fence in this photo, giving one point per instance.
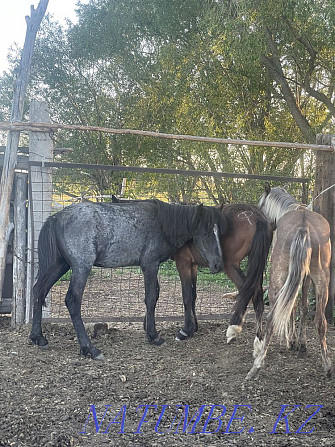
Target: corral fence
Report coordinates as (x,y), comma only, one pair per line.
(118,294)
(44,186)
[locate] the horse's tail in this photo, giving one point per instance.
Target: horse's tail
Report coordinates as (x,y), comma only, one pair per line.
(257,258)
(299,263)
(48,254)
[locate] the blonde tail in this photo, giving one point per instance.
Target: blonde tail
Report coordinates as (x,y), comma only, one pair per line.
(300,256)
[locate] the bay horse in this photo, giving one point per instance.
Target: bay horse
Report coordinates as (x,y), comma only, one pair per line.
(249,233)
(301,254)
(144,233)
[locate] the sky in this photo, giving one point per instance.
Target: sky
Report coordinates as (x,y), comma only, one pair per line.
(13,24)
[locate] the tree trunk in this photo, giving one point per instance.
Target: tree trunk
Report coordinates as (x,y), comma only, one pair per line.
(10,158)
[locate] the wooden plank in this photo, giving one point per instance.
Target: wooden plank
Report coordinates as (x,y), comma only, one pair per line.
(325,202)
(40,127)
(25,150)
(40,200)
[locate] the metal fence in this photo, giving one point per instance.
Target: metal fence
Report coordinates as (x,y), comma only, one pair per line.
(118,294)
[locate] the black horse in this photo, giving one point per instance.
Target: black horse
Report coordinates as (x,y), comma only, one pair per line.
(144,233)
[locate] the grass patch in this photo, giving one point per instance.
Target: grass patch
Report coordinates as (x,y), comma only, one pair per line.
(167,269)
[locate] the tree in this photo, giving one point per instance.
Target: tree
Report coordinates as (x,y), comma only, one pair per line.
(239,69)
(294,41)
(10,157)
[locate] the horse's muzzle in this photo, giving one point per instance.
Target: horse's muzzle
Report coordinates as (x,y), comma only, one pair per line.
(216,268)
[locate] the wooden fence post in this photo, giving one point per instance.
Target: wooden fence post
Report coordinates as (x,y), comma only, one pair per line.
(40,194)
(325,178)
(19,249)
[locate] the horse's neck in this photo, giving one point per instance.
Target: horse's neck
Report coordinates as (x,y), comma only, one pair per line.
(275,212)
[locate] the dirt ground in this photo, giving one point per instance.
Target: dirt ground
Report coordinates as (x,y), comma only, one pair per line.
(47,395)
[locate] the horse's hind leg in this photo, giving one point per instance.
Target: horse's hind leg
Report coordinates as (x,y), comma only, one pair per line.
(150,283)
(73,303)
(237,319)
(277,279)
(40,291)
(292,342)
(303,316)
(258,304)
(321,291)
(259,359)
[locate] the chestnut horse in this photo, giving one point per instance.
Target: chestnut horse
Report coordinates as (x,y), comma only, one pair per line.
(301,253)
(249,233)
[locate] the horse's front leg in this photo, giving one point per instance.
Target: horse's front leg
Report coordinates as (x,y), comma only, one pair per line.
(185,271)
(194,294)
(150,273)
(157,296)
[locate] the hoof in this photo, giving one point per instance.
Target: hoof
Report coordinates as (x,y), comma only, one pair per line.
(91,351)
(252,373)
(44,347)
(39,340)
(232,332)
(302,354)
(100,329)
(181,335)
(157,341)
(293,346)
(329,372)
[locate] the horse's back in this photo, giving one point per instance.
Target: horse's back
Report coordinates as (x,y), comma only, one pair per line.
(106,235)
(103,219)
(242,221)
(303,218)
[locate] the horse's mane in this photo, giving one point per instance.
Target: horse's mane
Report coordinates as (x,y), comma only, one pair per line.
(277,202)
(181,223)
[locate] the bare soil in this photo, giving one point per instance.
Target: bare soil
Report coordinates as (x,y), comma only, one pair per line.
(46,394)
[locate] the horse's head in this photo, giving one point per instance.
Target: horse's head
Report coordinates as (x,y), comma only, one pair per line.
(212,226)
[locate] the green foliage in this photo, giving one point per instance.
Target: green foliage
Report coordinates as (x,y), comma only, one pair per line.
(257,70)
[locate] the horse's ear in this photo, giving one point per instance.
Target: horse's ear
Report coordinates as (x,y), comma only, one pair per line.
(267,188)
(221,206)
(199,211)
